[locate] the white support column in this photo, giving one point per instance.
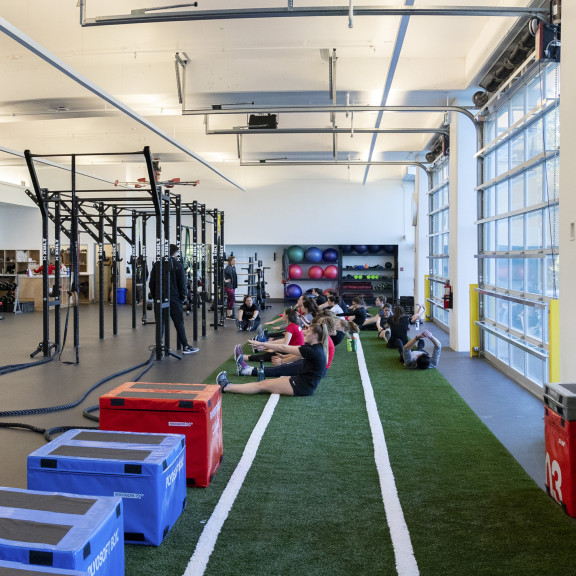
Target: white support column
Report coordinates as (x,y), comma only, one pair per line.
(462,214)
(420,207)
(567,243)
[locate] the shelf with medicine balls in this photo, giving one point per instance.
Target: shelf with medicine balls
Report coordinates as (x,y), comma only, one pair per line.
(314,265)
(367,271)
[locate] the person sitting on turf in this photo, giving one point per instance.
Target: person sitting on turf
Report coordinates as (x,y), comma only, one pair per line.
(308,311)
(399,324)
(293,336)
(248,315)
(370,323)
(314,353)
(357,311)
(382,321)
(419,359)
(337,300)
(290,364)
(333,305)
(318,296)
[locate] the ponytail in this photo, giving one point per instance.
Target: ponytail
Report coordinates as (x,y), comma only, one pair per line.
(321,332)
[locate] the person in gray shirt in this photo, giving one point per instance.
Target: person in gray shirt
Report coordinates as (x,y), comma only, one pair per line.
(420,359)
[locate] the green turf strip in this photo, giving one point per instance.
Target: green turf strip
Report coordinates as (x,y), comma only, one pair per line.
(469,506)
(311,503)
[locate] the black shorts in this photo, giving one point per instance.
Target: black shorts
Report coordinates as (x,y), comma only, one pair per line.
(301,387)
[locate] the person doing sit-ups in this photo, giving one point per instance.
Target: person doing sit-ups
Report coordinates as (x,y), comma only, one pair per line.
(314,353)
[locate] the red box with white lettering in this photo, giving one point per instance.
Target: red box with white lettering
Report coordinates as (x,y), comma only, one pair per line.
(194,410)
(560,435)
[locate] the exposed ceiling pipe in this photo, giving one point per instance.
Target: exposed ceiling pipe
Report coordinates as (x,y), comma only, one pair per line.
(60,65)
(328,109)
(351,131)
(139,16)
(336,163)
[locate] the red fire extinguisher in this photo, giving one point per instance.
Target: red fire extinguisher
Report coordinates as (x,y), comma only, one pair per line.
(447,295)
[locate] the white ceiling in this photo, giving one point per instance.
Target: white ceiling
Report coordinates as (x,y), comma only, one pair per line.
(271,62)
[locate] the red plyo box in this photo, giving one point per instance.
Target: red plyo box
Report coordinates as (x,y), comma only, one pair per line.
(560,435)
(194,410)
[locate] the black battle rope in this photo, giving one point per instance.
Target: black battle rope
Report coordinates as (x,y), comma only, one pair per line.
(8,369)
(71,292)
(88,411)
(49,409)
(47,432)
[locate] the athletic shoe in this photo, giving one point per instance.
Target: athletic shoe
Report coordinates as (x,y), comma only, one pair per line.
(238,353)
(189,350)
(250,325)
(246,370)
(238,325)
(239,365)
(261,336)
(222,380)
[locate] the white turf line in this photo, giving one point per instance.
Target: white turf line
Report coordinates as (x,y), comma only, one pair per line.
(405,561)
(207,541)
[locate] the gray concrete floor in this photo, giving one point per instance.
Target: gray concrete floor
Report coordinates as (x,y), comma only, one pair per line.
(513,415)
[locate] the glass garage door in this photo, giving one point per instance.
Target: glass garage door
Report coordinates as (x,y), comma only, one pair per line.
(517,224)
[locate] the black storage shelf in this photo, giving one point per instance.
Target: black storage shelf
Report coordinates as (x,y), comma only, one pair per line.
(385,283)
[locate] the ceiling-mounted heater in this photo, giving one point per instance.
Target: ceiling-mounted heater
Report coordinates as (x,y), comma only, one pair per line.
(262,122)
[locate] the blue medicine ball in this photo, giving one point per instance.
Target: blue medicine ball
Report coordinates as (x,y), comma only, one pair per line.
(346,248)
(293,291)
(360,249)
(374,248)
(330,255)
(388,248)
(313,254)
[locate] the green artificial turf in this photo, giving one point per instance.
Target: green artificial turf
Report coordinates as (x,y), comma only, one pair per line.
(311,503)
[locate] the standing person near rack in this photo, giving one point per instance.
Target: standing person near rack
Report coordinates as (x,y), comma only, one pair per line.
(248,315)
(230,285)
(177,297)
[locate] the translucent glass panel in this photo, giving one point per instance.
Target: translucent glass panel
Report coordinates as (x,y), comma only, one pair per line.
(519,214)
(522,275)
(439,226)
(522,320)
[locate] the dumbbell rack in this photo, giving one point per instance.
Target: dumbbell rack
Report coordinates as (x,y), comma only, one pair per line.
(9,288)
(369,274)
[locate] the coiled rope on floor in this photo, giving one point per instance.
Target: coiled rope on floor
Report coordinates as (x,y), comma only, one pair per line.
(9,368)
(48,409)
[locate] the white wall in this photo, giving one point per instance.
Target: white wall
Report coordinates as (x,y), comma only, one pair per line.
(14,195)
(268,219)
(463,234)
(567,197)
(421,265)
(20,228)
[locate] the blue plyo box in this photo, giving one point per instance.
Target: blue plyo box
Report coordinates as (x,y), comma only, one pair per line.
(79,534)
(148,471)
(16,569)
